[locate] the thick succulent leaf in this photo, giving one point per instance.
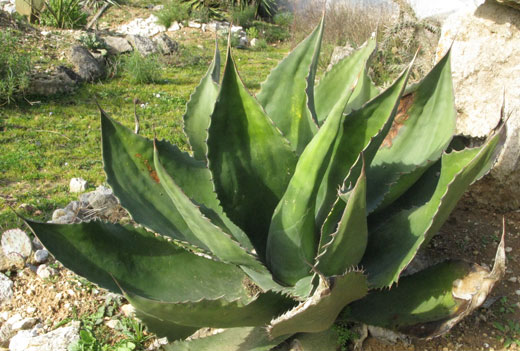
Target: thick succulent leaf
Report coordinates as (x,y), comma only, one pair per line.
(319,312)
(394,241)
(363,130)
(234,339)
(102,252)
(429,303)
(288,93)
(422,129)
(364,92)
(164,328)
(216,313)
(339,81)
(250,160)
(218,242)
(129,165)
(200,107)
(292,243)
(344,248)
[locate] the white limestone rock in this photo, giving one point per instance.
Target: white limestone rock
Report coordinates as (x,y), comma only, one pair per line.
(56,340)
(77,185)
(16,241)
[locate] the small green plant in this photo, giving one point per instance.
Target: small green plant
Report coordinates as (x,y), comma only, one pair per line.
(67,14)
(243,16)
(142,69)
(510,332)
(15,66)
(261,44)
(262,227)
(345,335)
(92,41)
(283,19)
(272,33)
(252,33)
(173,11)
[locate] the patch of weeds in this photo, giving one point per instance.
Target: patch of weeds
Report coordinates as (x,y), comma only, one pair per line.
(252,32)
(201,14)
(243,16)
(92,41)
(135,331)
(15,66)
(505,307)
(345,335)
(173,11)
(261,44)
(283,19)
(272,33)
(141,69)
(65,14)
(510,331)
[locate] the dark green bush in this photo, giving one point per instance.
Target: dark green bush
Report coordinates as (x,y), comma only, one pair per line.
(15,66)
(243,16)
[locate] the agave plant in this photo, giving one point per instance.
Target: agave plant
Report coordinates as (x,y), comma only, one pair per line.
(296,208)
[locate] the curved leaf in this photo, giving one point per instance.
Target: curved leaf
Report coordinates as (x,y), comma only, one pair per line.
(421,131)
(395,240)
(200,107)
(250,160)
(102,252)
(164,328)
(288,93)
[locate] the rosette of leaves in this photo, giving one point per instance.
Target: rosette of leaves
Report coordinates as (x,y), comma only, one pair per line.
(296,207)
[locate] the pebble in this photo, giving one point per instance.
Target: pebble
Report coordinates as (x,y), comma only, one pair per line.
(113,324)
(45,271)
(41,256)
(31,310)
(16,241)
(77,185)
(509,249)
(517,292)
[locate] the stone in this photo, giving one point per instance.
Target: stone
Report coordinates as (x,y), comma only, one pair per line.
(486,61)
(144,27)
(113,324)
(194,24)
(16,241)
(56,340)
(77,185)
(63,216)
(512,3)
(5,264)
(86,65)
(166,44)
(338,54)
(387,335)
(103,201)
(41,256)
(144,45)
(6,289)
(175,26)
(24,324)
(6,333)
(45,272)
(117,45)
(128,310)
(242,42)
(440,9)
(62,80)
(253,42)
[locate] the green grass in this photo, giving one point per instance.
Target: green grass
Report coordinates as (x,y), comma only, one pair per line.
(45,145)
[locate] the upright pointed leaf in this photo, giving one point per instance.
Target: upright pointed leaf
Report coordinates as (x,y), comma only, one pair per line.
(422,130)
(102,252)
(395,240)
(344,248)
(288,93)
(250,160)
(200,107)
(339,80)
(319,312)
(129,165)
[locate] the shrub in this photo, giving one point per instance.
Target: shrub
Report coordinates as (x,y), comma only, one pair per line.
(283,19)
(63,14)
(252,32)
(173,11)
(92,41)
(15,66)
(142,69)
(272,33)
(243,16)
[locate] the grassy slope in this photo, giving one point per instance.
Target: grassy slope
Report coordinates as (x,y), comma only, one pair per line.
(45,145)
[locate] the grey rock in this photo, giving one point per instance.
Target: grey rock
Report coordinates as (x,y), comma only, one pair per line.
(6,333)
(59,81)
(117,45)
(86,65)
(77,185)
(45,272)
(387,335)
(166,44)
(56,340)
(485,60)
(6,289)
(41,256)
(37,245)
(339,53)
(16,241)
(63,216)
(24,324)
(242,42)
(74,206)
(513,3)
(103,201)
(194,24)
(175,26)
(144,45)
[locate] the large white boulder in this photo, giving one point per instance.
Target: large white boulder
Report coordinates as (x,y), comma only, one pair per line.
(442,8)
(485,61)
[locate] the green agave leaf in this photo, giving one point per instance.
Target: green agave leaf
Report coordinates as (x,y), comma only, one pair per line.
(344,248)
(129,165)
(428,303)
(364,92)
(252,168)
(339,81)
(200,107)
(234,339)
(164,328)
(288,93)
(363,130)
(216,313)
(211,236)
(421,131)
(394,241)
(292,241)
(102,252)
(319,312)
